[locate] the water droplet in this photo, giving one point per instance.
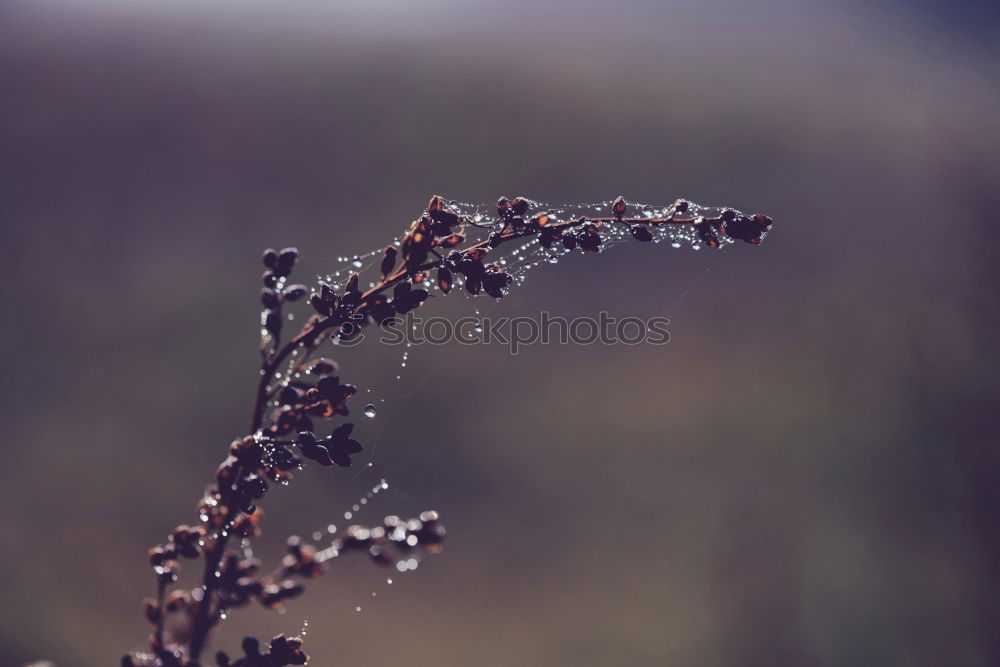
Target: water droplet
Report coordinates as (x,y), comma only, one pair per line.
(370,410)
(357,609)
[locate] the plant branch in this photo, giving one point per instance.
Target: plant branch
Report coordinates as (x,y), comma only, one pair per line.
(258,459)
(311,331)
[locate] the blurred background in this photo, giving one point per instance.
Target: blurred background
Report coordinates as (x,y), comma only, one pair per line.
(806,475)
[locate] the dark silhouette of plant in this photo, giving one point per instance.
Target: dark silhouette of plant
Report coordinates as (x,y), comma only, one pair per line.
(311,391)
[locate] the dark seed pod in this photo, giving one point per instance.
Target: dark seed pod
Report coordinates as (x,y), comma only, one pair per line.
(269,279)
(727,215)
(640,233)
(762,221)
(185,540)
(750,229)
(295,292)
(286,262)
(742,228)
(519,206)
(177,600)
(618,208)
(443,222)
(253,486)
(569,241)
(503,207)
(707,234)
(323,366)
(352,283)
(443,219)
(388,261)
(320,305)
(496,283)
(288,257)
(450,241)
(681,206)
(589,239)
(284,651)
(444,279)
(158,555)
(547,236)
(251,647)
(270,258)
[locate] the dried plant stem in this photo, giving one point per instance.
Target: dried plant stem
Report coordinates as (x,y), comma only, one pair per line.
(229,506)
(161,589)
(204,621)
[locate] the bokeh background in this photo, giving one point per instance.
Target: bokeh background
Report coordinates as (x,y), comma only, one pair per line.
(806,475)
